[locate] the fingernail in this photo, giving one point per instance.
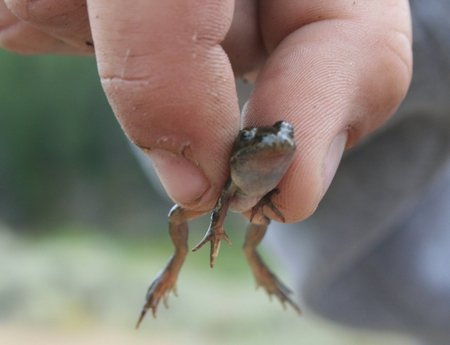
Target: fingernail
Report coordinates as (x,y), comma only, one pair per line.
(182,180)
(333,159)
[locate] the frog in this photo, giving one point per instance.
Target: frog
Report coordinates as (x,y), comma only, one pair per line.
(260,157)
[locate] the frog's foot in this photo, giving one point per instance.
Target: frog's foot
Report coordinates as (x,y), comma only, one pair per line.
(214,235)
(266,201)
(263,276)
(266,279)
(161,287)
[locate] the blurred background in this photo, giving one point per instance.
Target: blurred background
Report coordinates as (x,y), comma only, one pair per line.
(83,233)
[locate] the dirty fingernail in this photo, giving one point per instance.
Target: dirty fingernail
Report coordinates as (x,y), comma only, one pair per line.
(182,180)
(333,159)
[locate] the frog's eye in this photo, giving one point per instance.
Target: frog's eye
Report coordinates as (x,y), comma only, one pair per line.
(246,135)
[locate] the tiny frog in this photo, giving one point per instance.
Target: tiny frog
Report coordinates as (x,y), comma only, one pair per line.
(259,159)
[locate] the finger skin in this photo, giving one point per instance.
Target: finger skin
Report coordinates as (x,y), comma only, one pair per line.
(65,20)
(19,37)
(334,66)
(243,42)
(170,85)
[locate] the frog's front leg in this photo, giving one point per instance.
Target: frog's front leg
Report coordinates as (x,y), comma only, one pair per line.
(165,280)
(215,232)
(264,277)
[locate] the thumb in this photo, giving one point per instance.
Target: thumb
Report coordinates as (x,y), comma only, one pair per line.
(335,79)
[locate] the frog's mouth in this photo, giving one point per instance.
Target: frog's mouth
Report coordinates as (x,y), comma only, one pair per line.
(273,144)
(277,142)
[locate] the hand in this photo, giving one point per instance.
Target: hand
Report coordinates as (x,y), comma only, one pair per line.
(336,70)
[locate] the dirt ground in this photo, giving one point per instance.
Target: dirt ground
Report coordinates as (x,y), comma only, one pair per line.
(88,289)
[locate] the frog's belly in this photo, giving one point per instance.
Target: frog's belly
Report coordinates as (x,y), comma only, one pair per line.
(241,203)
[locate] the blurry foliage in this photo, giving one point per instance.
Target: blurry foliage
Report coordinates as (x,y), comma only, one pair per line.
(63,156)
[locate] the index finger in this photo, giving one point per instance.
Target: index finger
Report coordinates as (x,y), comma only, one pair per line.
(171,87)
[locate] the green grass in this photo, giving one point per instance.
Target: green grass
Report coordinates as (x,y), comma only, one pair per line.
(79,286)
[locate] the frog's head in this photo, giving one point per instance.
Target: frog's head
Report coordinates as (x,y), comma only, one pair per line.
(261,156)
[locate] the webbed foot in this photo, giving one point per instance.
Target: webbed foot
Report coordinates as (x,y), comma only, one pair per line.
(263,275)
(160,288)
(266,279)
(214,235)
(266,201)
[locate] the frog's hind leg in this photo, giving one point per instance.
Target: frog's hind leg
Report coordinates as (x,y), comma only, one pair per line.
(264,277)
(266,201)
(165,280)
(215,233)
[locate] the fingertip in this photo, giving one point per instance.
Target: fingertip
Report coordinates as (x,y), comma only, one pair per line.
(183,180)
(311,175)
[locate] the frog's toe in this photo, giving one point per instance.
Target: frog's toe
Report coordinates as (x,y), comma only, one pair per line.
(205,240)
(215,237)
(282,293)
(160,288)
(266,201)
(273,286)
(215,247)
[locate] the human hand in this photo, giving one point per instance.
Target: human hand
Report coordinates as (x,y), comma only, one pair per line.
(336,70)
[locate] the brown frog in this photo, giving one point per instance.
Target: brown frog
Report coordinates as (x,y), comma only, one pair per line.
(259,159)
